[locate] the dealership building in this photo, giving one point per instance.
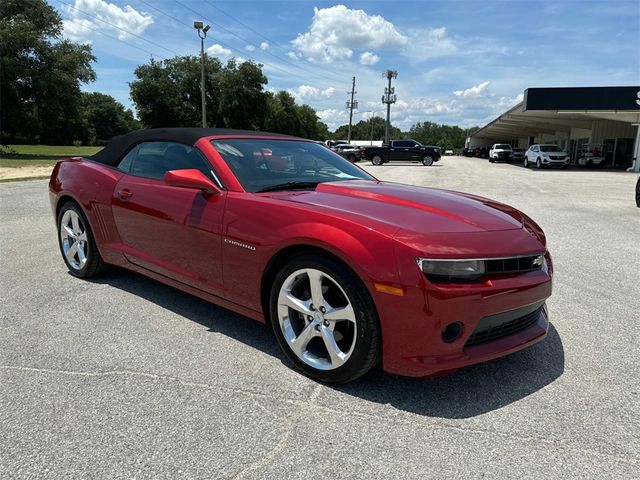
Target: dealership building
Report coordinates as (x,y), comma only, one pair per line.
(606,119)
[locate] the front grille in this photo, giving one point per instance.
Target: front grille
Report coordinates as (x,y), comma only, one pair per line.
(482,334)
(556,157)
(512,265)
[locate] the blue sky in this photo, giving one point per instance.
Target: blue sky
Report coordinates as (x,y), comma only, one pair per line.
(459,62)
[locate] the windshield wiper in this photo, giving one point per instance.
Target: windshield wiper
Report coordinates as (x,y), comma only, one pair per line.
(288,186)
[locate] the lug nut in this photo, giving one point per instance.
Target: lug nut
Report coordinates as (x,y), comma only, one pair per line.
(326,323)
(322,309)
(310,318)
(318,328)
(312,307)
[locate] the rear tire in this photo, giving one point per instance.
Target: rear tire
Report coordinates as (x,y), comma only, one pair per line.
(336,341)
(427,160)
(77,243)
(352,158)
(376,160)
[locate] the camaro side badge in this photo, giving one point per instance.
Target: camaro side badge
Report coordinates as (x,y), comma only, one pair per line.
(240,244)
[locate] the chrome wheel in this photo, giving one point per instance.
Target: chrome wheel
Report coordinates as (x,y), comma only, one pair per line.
(427,161)
(376,160)
(73,239)
(316,319)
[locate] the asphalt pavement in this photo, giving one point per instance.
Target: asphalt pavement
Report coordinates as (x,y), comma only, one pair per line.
(122,377)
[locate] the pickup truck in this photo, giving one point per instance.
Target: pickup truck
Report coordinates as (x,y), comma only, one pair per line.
(402,151)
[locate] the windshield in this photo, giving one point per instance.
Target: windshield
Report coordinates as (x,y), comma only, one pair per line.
(549,148)
(259,164)
(503,146)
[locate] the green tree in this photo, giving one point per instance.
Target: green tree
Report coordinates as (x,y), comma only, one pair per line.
(40,74)
(243,102)
(283,115)
(167,93)
(103,117)
(445,136)
(362,130)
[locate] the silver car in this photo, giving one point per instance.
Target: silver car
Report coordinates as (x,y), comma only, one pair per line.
(547,155)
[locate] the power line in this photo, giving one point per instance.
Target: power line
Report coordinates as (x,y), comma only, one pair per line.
(244,40)
(86,27)
(119,28)
(220,42)
(266,38)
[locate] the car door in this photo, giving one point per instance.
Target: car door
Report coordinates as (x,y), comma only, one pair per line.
(173,231)
(415,152)
(400,151)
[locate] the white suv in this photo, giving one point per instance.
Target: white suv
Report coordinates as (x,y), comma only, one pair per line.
(500,151)
(546,156)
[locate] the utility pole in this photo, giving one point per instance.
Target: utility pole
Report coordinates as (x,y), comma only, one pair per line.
(351,105)
(389,97)
(202,33)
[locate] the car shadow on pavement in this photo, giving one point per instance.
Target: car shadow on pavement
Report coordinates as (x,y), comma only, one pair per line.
(215,318)
(469,392)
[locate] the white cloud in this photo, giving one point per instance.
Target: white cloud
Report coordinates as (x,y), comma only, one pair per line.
(369,58)
(113,18)
(78,30)
(336,31)
(264,46)
(429,43)
(306,92)
(216,49)
(249,48)
(293,55)
(476,91)
(333,117)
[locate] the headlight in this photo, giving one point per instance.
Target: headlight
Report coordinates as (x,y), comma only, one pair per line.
(567,157)
(452,270)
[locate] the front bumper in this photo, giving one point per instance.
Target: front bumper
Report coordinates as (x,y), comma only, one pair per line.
(413,324)
(554,163)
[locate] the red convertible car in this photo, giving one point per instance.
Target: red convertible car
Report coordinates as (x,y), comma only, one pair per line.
(349,271)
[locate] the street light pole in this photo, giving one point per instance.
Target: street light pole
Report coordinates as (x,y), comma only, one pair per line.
(202,33)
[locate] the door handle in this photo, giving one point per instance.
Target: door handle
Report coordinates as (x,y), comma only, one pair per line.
(124,194)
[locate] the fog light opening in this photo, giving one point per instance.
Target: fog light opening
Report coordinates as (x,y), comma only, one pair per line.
(452,332)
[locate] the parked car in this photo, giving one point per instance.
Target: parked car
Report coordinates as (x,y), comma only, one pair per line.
(500,151)
(448,152)
(466,152)
(590,155)
(517,154)
(333,143)
(402,151)
(546,156)
(347,270)
(353,153)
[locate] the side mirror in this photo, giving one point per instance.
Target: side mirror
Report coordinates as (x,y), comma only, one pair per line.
(191,178)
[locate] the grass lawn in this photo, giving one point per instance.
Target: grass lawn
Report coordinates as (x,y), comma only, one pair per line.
(16,156)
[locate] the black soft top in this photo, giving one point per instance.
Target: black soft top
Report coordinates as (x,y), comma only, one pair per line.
(120,145)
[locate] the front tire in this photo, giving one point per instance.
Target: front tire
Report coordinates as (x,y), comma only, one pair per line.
(324,319)
(538,164)
(376,160)
(77,243)
(427,160)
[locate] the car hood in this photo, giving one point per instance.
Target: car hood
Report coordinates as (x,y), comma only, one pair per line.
(555,154)
(407,208)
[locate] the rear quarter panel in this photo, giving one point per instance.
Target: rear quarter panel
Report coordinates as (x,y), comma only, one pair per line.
(91,185)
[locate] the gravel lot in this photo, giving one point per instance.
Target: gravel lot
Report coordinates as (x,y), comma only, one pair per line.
(122,377)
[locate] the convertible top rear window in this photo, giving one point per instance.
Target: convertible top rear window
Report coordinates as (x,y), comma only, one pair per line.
(262,163)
